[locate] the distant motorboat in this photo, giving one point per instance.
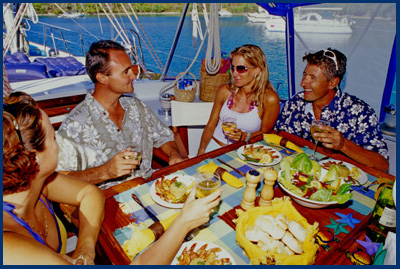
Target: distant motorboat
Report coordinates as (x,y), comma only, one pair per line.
(224,13)
(312,23)
(71,15)
(262,16)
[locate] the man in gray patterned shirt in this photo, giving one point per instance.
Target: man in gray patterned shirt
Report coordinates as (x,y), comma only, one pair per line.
(95,137)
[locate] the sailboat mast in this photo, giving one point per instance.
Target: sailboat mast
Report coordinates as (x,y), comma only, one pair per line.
(173,47)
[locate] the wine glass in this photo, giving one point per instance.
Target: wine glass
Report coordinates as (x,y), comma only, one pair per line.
(315,127)
(229,123)
(137,149)
(207,183)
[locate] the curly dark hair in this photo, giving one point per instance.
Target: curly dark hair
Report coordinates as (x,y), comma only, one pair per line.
(97,57)
(22,133)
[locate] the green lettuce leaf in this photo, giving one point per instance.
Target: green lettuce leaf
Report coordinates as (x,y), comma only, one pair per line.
(343,198)
(322,195)
(290,186)
(302,163)
(332,175)
(285,169)
(343,189)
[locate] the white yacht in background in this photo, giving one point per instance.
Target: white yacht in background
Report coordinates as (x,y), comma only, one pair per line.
(312,23)
(72,15)
(262,16)
(224,13)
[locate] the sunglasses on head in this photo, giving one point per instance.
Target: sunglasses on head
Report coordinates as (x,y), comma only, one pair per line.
(13,111)
(331,55)
(240,68)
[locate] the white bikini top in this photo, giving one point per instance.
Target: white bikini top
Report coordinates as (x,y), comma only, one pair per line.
(248,122)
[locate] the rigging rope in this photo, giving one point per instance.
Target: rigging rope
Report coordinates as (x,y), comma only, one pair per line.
(59,7)
(11,33)
(170,85)
(159,64)
(124,37)
(98,16)
(205,13)
(213,64)
(196,25)
(31,13)
(148,40)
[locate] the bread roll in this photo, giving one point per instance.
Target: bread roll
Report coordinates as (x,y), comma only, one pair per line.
(265,242)
(292,243)
(281,223)
(278,246)
(273,230)
(297,230)
(253,233)
(287,251)
(282,217)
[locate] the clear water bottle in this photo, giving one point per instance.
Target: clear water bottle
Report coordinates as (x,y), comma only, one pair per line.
(383,218)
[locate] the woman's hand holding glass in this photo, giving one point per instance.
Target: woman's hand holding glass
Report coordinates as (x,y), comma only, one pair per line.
(196,212)
(229,127)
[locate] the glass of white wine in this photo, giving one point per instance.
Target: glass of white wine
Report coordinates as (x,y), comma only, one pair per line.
(137,150)
(207,183)
(315,127)
(229,124)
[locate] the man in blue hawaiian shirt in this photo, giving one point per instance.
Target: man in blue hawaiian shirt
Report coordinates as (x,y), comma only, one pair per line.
(354,128)
(96,136)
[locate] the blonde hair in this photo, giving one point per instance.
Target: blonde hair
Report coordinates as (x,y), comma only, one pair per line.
(256,57)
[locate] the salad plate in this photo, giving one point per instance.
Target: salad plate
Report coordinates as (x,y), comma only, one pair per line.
(160,198)
(194,248)
(307,202)
(304,201)
(311,186)
(254,154)
(359,179)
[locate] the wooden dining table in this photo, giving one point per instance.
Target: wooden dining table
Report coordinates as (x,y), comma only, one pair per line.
(221,230)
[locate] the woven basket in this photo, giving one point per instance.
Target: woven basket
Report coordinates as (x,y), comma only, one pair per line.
(185,95)
(209,85)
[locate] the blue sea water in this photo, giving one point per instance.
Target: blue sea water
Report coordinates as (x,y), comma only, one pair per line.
(234,31)
(161,29)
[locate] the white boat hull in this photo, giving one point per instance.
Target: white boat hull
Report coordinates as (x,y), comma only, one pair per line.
(312,23)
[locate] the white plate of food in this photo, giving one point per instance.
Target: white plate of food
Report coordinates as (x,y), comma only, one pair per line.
(258,154)
(347,171)
(193,253)
(172,191)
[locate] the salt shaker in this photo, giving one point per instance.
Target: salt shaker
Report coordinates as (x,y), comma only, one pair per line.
(267,192)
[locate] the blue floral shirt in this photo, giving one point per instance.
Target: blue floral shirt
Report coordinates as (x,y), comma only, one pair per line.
(354,118)
(88,138)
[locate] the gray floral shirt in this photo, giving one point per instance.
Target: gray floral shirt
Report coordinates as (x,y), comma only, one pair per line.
(88,138)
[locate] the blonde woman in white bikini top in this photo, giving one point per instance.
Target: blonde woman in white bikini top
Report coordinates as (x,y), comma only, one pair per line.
(249,96)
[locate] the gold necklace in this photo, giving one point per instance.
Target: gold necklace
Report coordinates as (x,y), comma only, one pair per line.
(45,222)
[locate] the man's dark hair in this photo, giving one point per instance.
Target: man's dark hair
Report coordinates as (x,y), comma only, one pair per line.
(98,56)
(326,58)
